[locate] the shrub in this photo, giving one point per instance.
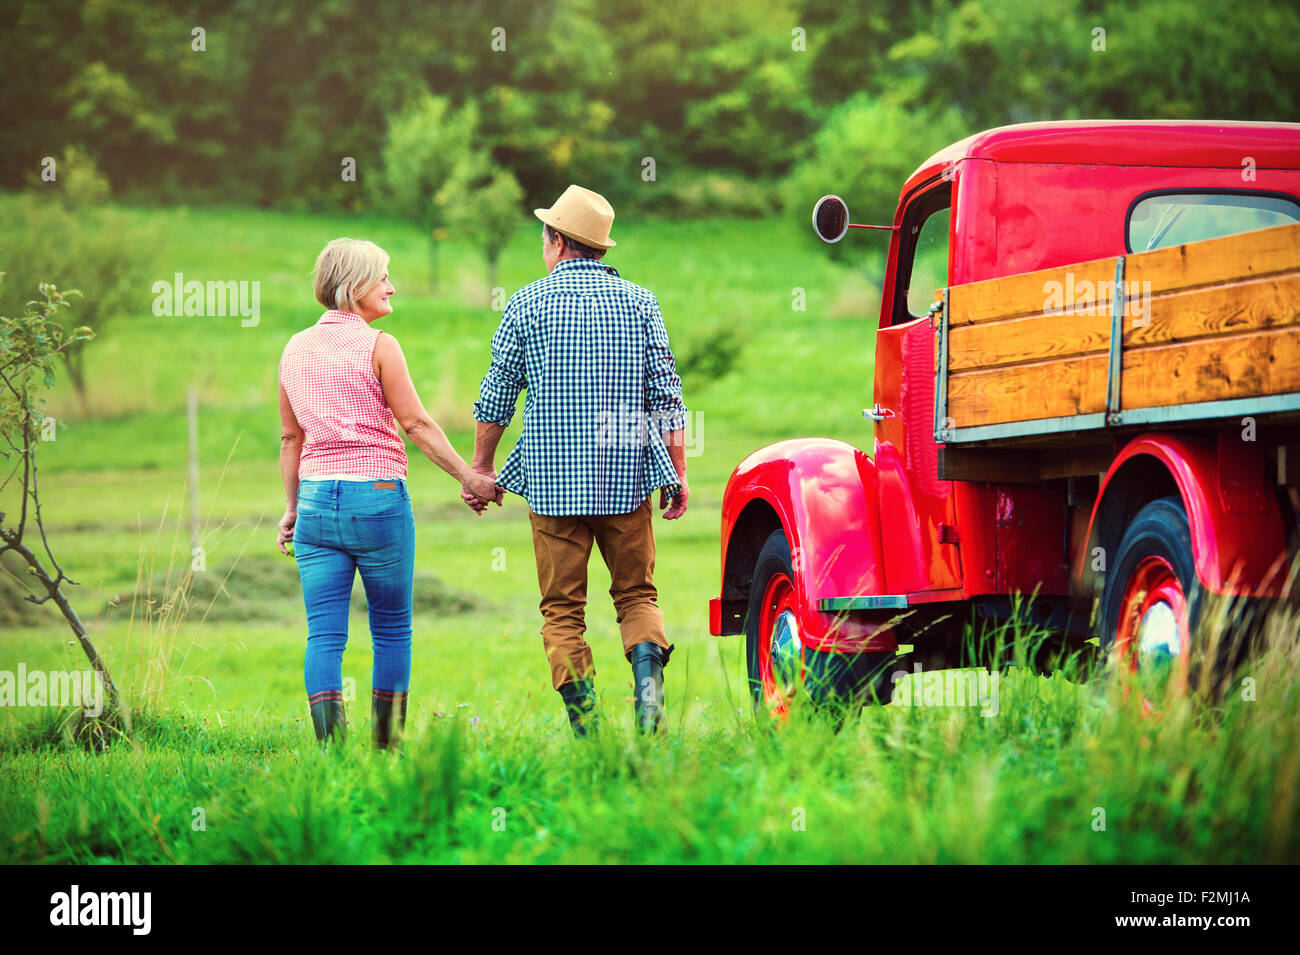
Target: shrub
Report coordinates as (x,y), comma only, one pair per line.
(864,153)
(97,250)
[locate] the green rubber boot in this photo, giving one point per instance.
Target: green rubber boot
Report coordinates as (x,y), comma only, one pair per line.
(580,703)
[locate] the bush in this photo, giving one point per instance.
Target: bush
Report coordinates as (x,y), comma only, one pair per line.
(96,250)
(77,180)
(710,355)
(697,194)
(864,153)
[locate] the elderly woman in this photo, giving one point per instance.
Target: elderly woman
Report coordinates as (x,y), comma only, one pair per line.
(342,384)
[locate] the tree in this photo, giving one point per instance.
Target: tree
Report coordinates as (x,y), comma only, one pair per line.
(864,153)
(29,347)
(480,201)
(60,228)
(427,142)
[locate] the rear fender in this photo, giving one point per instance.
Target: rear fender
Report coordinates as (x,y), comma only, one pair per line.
(1238,534)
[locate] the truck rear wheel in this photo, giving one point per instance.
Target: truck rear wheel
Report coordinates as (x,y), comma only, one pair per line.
(1151,599)
(780,666)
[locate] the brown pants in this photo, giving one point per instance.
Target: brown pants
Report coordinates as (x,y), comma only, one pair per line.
(563,547)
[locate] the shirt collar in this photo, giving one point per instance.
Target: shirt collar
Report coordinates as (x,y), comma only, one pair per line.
(579,263)
(338,317)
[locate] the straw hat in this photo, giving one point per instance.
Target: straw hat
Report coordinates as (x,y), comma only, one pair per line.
(582,215)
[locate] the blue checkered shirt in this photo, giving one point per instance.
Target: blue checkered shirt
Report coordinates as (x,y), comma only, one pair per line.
(592,351)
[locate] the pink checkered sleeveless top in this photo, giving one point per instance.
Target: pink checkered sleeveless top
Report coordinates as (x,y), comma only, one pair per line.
(328,374)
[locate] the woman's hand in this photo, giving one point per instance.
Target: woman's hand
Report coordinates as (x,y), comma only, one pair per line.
(286,529)
(472,500)
(483,487)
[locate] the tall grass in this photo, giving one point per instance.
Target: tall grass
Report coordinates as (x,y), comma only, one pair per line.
(1066,771)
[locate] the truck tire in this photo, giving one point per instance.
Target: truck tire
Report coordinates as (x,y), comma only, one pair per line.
(779,665)
(1151,599)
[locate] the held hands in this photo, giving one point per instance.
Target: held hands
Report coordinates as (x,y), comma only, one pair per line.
(678,501)
(481,490)
(285,534)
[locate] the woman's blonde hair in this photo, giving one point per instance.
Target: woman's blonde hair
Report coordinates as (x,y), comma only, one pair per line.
(346,270)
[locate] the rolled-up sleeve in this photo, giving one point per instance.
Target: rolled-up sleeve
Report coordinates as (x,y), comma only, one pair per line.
(663,387)
(506,376)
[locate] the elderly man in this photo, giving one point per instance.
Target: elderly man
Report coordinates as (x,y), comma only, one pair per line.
(603,427)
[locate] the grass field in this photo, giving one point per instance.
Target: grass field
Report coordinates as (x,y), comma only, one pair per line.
(222,767)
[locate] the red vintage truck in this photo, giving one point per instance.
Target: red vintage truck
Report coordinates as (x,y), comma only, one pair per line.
(1086,411)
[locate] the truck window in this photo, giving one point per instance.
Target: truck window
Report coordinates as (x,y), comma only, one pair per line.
(929,263)
(1157,221)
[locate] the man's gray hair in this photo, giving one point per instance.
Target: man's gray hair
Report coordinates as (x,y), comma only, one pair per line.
(586,251)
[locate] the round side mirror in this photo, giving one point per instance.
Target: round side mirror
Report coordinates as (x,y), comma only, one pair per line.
(830,219)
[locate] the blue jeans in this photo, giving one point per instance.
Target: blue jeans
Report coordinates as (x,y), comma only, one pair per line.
(343,527)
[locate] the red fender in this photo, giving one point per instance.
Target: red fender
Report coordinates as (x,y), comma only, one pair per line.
(1238,539)
(823,494)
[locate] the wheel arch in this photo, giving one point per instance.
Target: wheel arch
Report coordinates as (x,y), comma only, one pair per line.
(1126,489)
(1236,551)
(757,520)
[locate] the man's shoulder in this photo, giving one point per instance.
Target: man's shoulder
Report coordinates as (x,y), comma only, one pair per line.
(532,289)
(639,292)
(530,293)
(591,280)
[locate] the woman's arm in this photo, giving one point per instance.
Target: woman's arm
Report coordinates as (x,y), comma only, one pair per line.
(399,391)
(291,438)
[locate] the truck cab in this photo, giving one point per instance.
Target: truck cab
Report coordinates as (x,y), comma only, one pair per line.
(831,556)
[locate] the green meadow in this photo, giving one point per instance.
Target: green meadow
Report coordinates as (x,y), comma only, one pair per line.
(221,766)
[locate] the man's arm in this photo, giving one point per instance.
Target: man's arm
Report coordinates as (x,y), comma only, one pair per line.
(675,441)
(665,406)
(486,438)
(663,386)
(505,377)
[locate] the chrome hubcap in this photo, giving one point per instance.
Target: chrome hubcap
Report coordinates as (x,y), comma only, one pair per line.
(1159,639)
(787,650)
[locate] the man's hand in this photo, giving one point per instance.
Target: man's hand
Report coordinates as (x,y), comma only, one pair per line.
(285,534)
(498,493)
(481,489)
(678,501)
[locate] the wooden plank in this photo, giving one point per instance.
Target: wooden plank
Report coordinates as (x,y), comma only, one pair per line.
(1022,467)
(1254,364)
(1077,461)
(1050,389)
(1212,369)
(1028,292)
(1219,310)
(1213,261)
(981,464)
(1031,338)
(1228,309)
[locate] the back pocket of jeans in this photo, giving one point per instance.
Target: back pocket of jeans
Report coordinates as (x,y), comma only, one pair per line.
(306,530)
(370,532)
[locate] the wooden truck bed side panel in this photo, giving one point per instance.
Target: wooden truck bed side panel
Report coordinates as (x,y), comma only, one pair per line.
(1205,321)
